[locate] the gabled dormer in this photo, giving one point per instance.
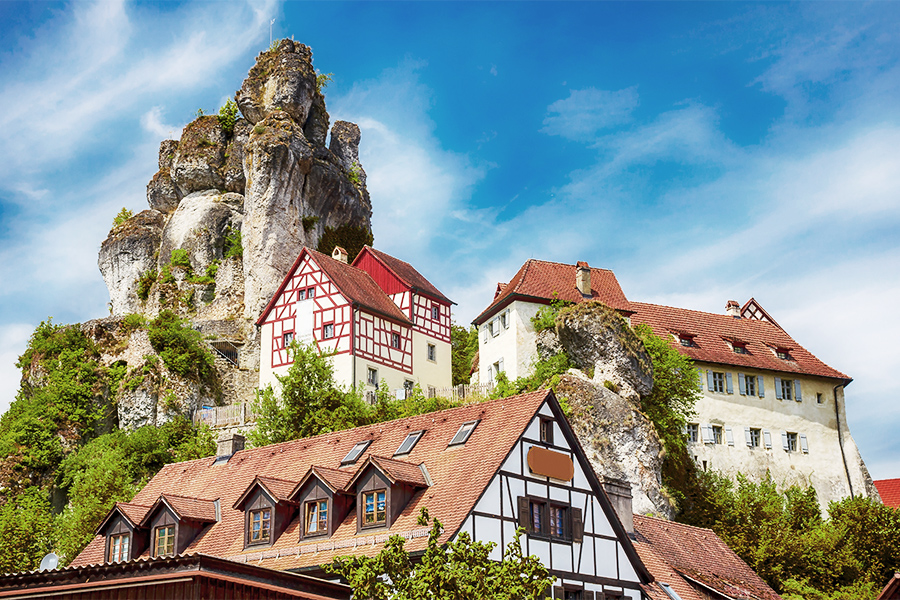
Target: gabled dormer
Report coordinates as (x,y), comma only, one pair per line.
(174,521)
(324,501)
(383,487)
(268,509)
(125,538)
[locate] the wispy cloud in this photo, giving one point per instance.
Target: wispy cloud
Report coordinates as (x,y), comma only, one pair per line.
(585,112)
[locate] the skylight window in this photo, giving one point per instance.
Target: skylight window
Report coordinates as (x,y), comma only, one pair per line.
(410,442)
(465,430)
(356,452)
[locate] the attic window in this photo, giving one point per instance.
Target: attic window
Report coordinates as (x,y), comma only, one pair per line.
(739,348)
(465,430)
(783,354)
(410,442)
(686,340)
(355,452)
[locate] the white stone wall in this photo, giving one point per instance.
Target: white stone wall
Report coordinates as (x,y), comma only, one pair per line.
(822,466)
(437,373)
(514,345)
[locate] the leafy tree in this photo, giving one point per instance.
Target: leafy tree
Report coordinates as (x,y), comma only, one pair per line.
(228,116)
(463,346)
(458,570)
(25,531)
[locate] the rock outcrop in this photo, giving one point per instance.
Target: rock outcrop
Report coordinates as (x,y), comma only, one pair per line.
(240,197)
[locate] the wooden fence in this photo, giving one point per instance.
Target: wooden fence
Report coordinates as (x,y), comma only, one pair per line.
(225,416)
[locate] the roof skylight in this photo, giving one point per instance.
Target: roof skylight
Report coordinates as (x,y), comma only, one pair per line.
(409,443)
(355,452)
(465,430)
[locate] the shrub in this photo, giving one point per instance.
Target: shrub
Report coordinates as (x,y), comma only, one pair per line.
(355,174)
(180,258)
(546,316)
(309,222)
(123,216)
(145,283)
(233,243)
(133,322)
(347,236)
(322,81)
(259,129)
(228,116)
(181,348)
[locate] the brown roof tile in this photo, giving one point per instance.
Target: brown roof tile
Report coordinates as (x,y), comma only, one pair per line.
(397,470)
(458,474)
(408,274)
(889,490)
(279,489)
(545,281)
(185,507)
(701,555)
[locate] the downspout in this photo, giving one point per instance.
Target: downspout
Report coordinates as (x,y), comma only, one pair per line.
(837,415)
(353,345)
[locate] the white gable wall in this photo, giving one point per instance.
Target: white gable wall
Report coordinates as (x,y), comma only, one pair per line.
(513,346)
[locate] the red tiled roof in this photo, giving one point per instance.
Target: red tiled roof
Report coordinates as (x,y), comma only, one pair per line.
(459,474)
(397,470)
(133,512)
(698,554)
(355,284)
(889,490)
(407,273)
(545,281)
(335,479)
(185,507)
(710,332)
(279,489)
(662,573)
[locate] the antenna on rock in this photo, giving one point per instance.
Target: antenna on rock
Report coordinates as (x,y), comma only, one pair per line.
(49,562)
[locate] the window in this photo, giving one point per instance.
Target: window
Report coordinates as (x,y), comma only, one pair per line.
(740,348)
(504,319)
(819,398)
(686,341)
(547,519)
(435,313)
(693,432)
(718,380)
(408,387)
(790,441)
(372,376)
(327,331)
(260,526)
(783,354)
(410,442)
(118,547)
(717,434)
(164,541)
(547,431)
(432,352)
(750,385)
(301,295)
(316,517)
(557,521)
(355,452)
(753,437)
(311,292)
(787,388)
(572,595)
(465,430)
(288,338)
(374,512)
(395,340)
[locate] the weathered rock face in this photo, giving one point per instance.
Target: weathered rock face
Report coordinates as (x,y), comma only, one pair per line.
(200,225)
(282,80)
(200,157)
(620,442)
(128,252)
(597,338)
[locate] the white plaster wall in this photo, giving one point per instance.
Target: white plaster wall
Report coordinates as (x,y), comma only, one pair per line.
(437,373)
(515,345)
(266,373)
(392,377)
(822,467)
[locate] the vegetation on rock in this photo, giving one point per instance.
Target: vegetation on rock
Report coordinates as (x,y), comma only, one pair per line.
(459,569)
(181,348)
(463,346)
(228,116)
(233,244)
(123,216)
(546,316)
(349,237)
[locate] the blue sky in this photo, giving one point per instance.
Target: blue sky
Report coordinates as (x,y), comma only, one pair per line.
(703,151)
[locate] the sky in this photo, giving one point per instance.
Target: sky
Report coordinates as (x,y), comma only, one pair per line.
(704,152)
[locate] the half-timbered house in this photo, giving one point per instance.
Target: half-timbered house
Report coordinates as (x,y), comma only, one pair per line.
(379,319)
(485,469)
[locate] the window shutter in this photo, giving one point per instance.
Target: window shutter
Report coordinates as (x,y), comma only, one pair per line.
(784,441)
(506,320)
(742,384)
(759,386)
(500,362)
(778,387)
(524,514)
(577,525)
(803,445)
(709,383)
(798,398)
(767,437)
(729,436)
(484,334)
(708,436)
(559,592)
(728,385)
(747,437)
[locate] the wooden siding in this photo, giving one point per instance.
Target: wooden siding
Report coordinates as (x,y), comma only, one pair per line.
(385,279)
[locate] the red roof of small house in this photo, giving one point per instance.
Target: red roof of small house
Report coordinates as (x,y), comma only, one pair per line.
(279,489)
(889,490)
(699,557)
(135,513)
(396,470)
(457,476)
(186,507)
(542,281)
(406,273)
(711,333)
(355,284)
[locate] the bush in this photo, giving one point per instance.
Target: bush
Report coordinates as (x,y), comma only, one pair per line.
(180,258)
(181,348)
(347,236)
(123,216)
(233,244)
(228,116)
(145,284)
(546,316)
(322,81)
(309,222)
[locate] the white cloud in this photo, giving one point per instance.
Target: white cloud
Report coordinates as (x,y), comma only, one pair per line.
(585,112)
(13,340)
(152,122)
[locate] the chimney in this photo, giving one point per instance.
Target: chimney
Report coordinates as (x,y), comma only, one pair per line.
(228,444)
(583,278)
(619,494)
(733,308)
(339,254)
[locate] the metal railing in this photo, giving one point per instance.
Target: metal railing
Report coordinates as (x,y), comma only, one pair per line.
(226,350)
(462,391)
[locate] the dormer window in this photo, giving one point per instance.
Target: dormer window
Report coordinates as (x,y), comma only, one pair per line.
(687,340)
(355,452)
(260,526)
(374,509)
(739,348)
(316,522)
(783,354)
(164,541)
(465,430)
(268,509)
(324,501)
(119,546)
(409,443)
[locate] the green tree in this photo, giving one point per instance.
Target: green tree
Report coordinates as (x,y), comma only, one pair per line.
(463,346)
(25,531)
(310,403)
(457,570)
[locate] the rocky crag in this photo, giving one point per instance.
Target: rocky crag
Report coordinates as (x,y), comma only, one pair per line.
(234,201)
(612,372)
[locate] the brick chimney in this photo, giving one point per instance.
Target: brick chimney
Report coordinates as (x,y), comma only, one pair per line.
(619,493)
(339,254)
(733,308)
(583,278)
(228,444)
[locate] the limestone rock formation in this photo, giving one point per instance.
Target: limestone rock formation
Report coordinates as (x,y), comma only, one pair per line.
(258,191)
